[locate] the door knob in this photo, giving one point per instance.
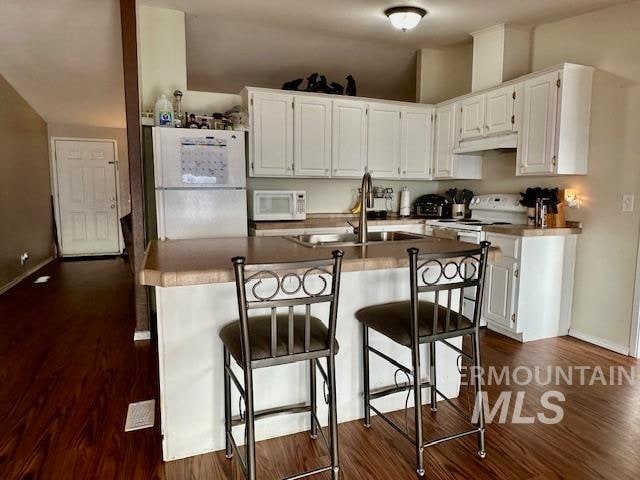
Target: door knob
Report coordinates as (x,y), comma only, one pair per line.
(113,206)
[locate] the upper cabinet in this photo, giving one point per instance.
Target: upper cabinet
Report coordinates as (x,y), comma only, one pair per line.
(545,115)
(446,164)
(416,142)
(383,144)
(312,136)
(556,114)
(443,139)
(271,147)
(302,134)
(472,117)
(500,112)
(349,138)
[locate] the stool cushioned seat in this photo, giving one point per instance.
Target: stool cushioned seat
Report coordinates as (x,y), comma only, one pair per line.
(260,336)
(394,320)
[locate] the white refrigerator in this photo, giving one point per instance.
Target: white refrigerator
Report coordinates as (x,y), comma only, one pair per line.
(200,183)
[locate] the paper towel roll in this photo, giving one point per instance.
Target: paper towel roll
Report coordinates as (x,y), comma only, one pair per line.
(405,202)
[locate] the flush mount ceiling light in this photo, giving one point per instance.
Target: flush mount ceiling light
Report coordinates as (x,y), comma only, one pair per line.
(405,18)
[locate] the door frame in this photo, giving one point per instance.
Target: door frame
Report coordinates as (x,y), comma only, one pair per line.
(53,166)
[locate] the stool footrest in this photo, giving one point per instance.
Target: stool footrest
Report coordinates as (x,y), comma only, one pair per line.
(271,412)
(310,472)
(450,437)
(384,391)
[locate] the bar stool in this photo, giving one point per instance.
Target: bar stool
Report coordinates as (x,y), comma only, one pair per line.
(282,338)
(415,322)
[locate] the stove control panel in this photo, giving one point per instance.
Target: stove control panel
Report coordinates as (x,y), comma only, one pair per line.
(504,202)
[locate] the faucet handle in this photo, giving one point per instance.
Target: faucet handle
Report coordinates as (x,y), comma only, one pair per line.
(355,229)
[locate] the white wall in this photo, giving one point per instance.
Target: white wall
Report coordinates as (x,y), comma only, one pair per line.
(162,61)
(607,250)
(443,73)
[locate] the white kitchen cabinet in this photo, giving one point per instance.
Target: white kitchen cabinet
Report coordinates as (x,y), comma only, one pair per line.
(271,146)
(416,143)
(500,115)
(443,142)
(554,136)
(471,117)
(383,140)
(500,287)
(536,150)
(529,286)
(447,164)
(349,138)
(312,136)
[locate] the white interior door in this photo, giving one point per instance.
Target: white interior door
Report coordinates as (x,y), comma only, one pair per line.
(87,200)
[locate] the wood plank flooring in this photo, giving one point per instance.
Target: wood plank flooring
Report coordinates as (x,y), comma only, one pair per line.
(69,368)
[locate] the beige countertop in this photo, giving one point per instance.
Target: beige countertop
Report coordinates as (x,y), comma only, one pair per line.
(332,220)
(173,263)
(572,228)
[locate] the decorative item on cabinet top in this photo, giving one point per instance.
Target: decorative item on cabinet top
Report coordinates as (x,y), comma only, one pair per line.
(317,83)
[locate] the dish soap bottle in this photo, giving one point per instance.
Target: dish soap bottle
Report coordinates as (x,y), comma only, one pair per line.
(163,112)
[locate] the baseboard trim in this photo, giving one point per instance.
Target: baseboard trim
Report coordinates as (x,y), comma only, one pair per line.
(24,275)
(141,335)
(614,347)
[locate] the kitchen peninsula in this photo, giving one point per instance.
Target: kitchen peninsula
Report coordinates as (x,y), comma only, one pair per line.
(196,296)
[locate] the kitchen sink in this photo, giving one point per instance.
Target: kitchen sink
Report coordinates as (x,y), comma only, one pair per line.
(350,239)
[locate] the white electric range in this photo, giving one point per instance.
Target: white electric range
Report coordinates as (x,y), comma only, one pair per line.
(493,209)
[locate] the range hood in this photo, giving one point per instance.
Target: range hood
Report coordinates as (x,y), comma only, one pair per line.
(500,142)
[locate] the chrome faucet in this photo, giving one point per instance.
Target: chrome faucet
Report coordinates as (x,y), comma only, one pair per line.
(366,201)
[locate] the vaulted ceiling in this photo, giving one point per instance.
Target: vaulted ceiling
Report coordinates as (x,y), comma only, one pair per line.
(64,56)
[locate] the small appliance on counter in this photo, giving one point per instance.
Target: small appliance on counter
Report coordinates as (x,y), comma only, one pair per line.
(432,206)
(382,203)
(276,205)
(544,207)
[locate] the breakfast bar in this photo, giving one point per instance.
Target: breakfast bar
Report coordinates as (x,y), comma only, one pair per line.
(196,296)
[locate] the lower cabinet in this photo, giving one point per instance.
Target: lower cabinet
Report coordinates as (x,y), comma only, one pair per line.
(529,286)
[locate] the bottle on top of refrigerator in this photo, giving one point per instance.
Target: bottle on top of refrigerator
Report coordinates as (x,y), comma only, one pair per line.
(163,112)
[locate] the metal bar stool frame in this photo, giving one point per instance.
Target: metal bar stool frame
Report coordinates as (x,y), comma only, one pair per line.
(296,271)
(417,262)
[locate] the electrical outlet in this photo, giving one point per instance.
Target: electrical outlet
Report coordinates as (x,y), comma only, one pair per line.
(24,257)
(627,202)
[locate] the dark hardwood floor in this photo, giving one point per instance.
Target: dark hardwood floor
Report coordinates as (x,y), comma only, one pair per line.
(69,368)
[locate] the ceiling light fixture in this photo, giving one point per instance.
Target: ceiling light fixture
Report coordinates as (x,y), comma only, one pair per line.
(405,18)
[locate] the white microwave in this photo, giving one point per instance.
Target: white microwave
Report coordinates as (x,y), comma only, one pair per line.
(277,205)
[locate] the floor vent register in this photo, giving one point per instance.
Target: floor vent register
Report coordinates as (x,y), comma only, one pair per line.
(140,415)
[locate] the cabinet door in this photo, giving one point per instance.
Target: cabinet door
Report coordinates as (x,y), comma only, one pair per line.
(443,142)
(536,146)
(383,140)
(472,117)
(349,139)
(499,115)
(498,306)
(272,131)
(312,136)
(416,143)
